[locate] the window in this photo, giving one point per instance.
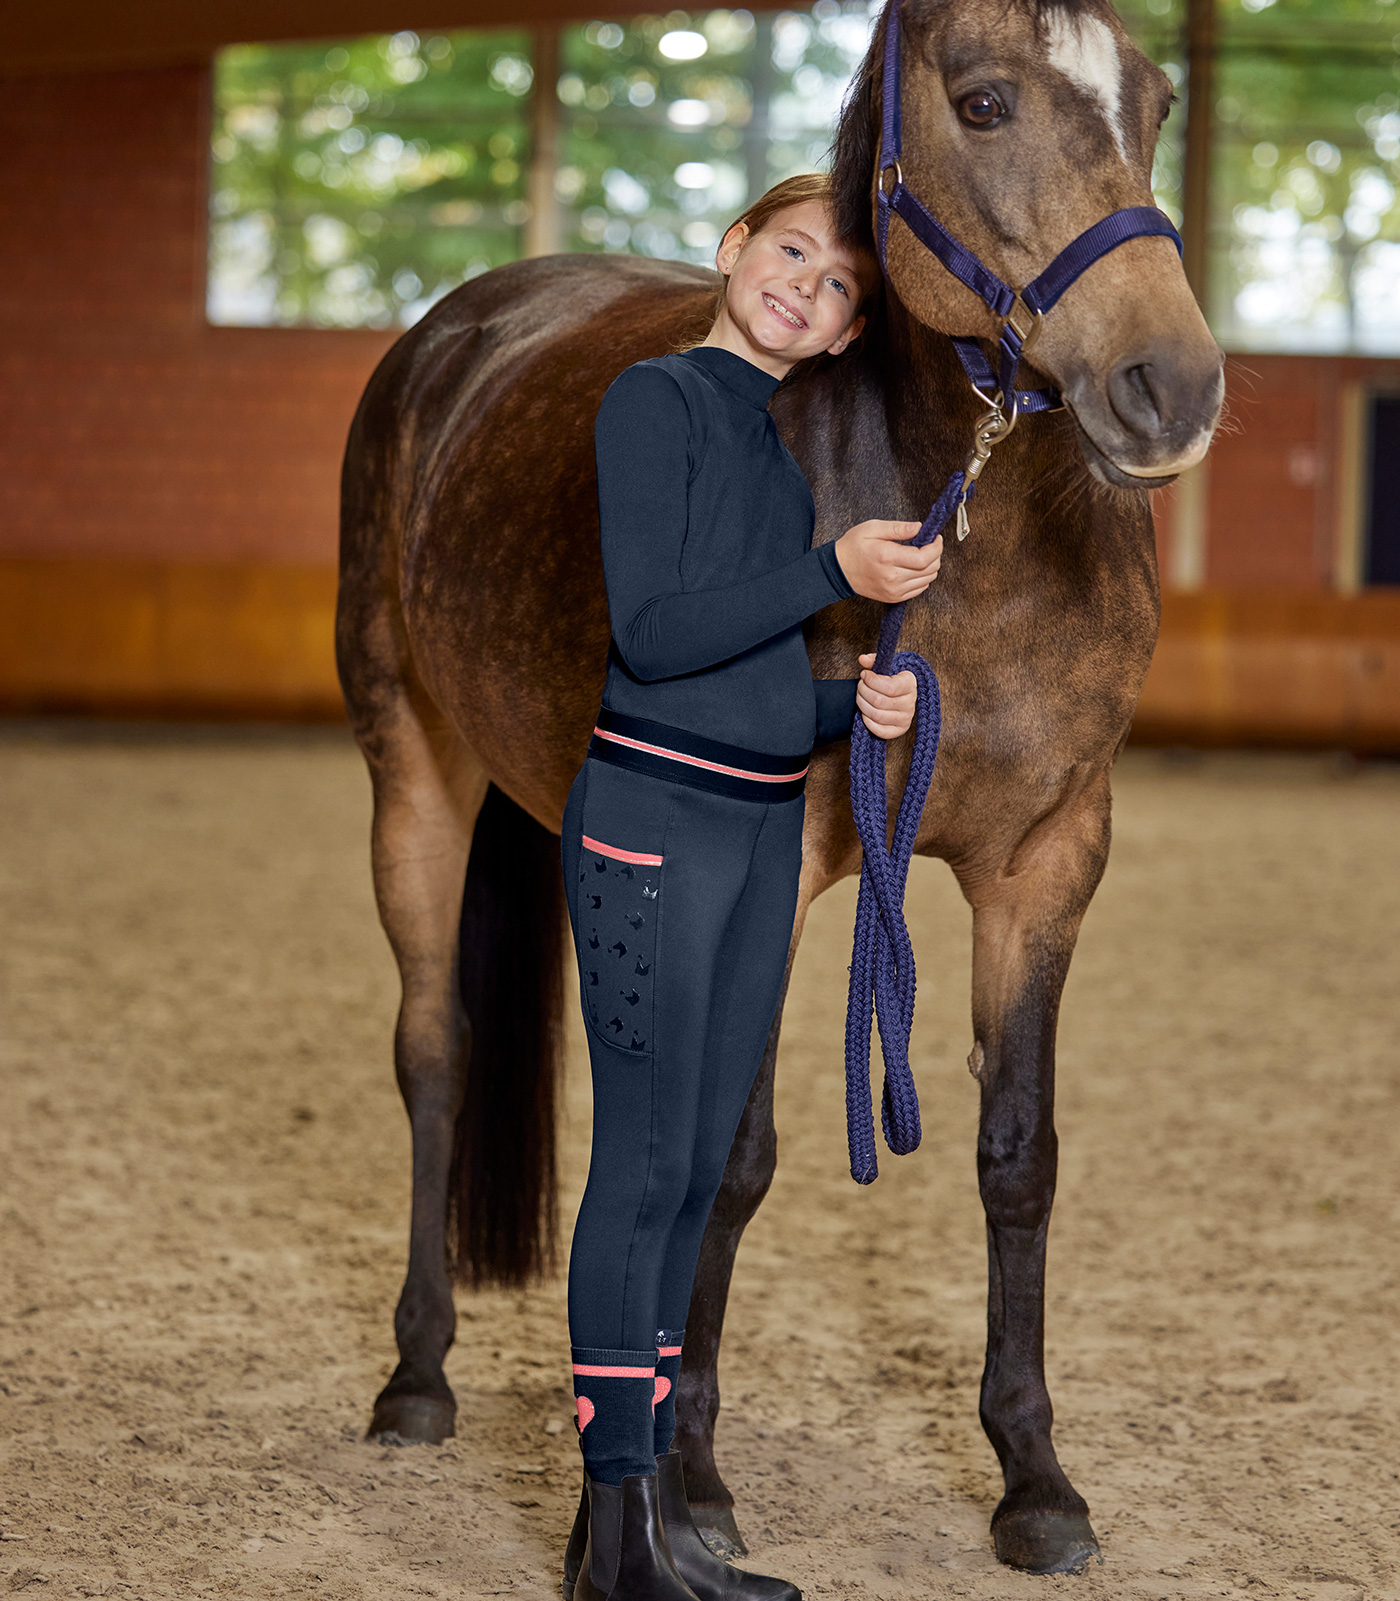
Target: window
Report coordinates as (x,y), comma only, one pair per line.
(352,185)
(1305,229)
(356,183)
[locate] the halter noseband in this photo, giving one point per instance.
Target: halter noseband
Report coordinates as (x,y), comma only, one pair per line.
(1021,313)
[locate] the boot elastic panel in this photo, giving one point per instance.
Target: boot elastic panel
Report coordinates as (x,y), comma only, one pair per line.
(707,1575)
(578,1544)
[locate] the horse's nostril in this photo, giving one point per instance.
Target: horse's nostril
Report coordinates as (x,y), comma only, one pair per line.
(1134,395)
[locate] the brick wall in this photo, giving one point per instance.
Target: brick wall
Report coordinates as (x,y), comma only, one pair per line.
(1278,470)
(130,428)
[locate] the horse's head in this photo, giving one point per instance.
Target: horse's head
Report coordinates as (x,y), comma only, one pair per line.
(1025,122)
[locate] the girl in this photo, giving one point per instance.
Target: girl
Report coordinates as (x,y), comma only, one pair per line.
(682,840)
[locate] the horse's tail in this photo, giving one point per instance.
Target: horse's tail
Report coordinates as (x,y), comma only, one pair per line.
(502,1198)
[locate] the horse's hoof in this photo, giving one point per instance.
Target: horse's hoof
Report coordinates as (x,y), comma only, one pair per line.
(1045,1542)
(718,1529)
(413,1419)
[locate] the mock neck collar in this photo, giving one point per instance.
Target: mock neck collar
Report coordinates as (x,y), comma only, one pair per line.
(750,383)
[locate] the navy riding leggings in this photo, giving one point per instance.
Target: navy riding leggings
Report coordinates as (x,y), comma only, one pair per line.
(682,905)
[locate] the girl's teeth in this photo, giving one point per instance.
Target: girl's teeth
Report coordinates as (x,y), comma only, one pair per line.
(782,311)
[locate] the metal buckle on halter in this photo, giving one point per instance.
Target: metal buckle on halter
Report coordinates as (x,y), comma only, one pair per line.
(1033,320)
(897,170)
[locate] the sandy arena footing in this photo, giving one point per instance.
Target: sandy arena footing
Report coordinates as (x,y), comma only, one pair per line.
(205,1187)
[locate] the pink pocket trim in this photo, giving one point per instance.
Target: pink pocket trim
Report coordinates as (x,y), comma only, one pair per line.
(638,858)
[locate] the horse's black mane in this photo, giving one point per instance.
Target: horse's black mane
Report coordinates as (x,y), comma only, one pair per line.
(854,150)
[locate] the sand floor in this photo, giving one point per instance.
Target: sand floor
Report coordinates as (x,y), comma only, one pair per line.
(205,1200)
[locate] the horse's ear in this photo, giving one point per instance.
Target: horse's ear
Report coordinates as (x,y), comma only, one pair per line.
(854,151)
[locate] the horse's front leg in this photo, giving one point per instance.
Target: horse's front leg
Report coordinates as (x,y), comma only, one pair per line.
(1027,912)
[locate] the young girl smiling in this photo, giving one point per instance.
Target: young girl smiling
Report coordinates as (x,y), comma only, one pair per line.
(682,840)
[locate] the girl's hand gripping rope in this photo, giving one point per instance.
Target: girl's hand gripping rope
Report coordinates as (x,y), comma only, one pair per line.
(880,564)
(886,702)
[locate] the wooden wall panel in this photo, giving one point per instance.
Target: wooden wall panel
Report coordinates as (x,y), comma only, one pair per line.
(1252,667)
(257,640)
(181,639)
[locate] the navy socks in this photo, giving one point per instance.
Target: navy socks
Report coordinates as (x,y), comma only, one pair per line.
(668,1373)
(613,1393)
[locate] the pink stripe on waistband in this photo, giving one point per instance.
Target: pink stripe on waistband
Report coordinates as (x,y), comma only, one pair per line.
(584,1371)
(695,761)
(639,857)
(668,1350)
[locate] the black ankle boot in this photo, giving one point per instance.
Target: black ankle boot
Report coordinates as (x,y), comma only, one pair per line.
(627,1557)
(711,1578)
(578,1543)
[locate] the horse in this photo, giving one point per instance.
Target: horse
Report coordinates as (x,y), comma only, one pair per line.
(472,636)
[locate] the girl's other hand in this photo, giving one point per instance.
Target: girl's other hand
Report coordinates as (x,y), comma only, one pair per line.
(880,564)
(886,703)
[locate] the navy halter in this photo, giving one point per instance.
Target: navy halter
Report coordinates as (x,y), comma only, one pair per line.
(882,962)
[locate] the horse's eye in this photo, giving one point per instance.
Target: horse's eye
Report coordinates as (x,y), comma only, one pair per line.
(981,109)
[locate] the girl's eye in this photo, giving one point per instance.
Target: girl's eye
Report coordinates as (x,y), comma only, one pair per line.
(981,109)
(837,284)
(793,248)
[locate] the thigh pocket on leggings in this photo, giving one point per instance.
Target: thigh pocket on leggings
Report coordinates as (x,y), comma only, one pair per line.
(618,905)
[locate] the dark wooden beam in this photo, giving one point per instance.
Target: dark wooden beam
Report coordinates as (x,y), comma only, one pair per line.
(1200,123)
(95,35)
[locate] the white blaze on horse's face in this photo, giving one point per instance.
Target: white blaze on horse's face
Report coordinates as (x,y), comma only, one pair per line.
(1084,49)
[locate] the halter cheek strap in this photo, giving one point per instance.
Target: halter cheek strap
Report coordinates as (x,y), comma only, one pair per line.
(1020,312)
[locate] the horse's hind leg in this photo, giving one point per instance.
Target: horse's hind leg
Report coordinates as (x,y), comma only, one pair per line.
(427,792)
(1026,916)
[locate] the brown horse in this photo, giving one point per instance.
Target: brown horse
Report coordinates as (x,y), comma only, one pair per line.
(473,634)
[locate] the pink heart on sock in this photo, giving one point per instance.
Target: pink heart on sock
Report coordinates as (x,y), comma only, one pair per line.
(585,1412)
(663,1389)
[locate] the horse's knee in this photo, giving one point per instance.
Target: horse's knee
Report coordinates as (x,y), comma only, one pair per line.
(746,1175)
(1016,1173)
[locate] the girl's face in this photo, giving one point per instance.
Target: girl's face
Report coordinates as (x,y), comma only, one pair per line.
(793,286)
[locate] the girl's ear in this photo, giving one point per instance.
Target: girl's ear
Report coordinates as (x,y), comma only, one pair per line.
(849,337)
(730,246)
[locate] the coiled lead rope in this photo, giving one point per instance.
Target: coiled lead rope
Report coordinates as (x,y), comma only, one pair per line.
(882,960)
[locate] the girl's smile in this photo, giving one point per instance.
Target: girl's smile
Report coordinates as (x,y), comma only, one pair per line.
(781,308)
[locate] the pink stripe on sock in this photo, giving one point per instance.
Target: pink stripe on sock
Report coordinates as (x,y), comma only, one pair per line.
(639,857)
(668,1350)
(585,1410)
(662,1390)
(586,1371)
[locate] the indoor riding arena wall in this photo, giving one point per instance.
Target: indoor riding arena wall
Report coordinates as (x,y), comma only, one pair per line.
(168,504)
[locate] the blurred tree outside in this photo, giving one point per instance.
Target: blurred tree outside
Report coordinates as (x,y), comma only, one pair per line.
(357,182)
(1305,226)
(354,183)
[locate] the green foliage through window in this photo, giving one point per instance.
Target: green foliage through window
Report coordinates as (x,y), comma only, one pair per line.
(357,182)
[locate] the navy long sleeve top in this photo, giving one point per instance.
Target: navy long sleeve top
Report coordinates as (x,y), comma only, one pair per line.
(706,525)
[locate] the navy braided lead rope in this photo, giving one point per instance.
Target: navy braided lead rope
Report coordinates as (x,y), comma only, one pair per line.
(882,961)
